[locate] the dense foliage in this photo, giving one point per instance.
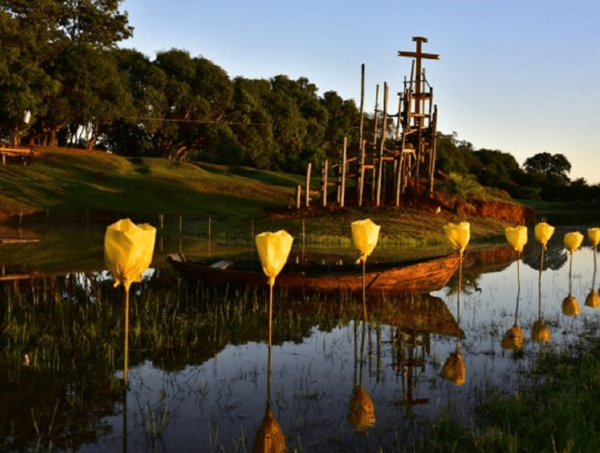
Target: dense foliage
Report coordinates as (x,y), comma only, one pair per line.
(61,63)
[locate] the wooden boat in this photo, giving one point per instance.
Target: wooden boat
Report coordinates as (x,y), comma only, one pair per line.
(414,276)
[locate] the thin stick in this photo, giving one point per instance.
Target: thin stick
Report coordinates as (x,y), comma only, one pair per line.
(540,283)
(460,267)
(125,369)
(518,288)
(270,314)
(364,269)
(570,272)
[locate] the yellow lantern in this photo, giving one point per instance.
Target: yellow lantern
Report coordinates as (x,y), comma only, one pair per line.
(128,250)
(513,339)
(361,410)
(540,332)
(573,241)
(273,251)
(365,234)
(458,235)
(594,236)
(543,233)
(570,306)
(454,368)
(592,300)
(517,237)
(269,437)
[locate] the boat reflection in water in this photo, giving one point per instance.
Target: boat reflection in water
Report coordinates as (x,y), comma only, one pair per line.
(200,362)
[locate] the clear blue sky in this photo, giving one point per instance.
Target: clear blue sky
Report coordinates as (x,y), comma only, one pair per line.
(520,76)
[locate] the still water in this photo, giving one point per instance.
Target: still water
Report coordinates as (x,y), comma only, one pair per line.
(335,384)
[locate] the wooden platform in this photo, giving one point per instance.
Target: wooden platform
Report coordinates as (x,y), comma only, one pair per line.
(26,153)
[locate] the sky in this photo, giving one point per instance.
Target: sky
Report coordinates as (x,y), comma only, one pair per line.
(518,76)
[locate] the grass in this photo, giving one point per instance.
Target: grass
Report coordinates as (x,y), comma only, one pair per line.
(556,410)
(66,181)
(69,185)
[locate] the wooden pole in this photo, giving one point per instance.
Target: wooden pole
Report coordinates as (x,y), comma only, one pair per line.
(361,146)
(362,106)
(343,182)
(324,182)
(374,142)
(381,145)
(298,195)
(433,152)
(361,180)
(308,171)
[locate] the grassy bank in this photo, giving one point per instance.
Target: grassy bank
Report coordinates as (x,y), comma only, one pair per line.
(554,411)
(69,185)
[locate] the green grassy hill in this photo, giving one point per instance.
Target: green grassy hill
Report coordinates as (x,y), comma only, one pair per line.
(69,181)
(69,184)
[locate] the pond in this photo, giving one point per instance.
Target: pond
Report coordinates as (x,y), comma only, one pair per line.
(202,378)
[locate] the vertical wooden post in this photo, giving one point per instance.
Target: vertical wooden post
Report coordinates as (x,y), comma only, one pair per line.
(308,170)
(399,177)
(298,195)
(343,182)
(433,151)
(361,141)
(374,142)
(362,108)
(324,183)
(361,177)
(381,145)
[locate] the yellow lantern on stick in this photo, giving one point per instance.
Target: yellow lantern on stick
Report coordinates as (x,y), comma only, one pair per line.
(517,237)
(454,368)
(513,339)
(573,241)
(361,410)
(365,234)
(128,250)
(458,235)
(594,236)
(543,233)
(540,332)
(269,437)
(273,251)
(570,306)
(592,300)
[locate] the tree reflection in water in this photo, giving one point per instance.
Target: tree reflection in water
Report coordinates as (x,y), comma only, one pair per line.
(201,358)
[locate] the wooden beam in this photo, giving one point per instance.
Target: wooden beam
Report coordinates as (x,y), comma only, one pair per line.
(308,170)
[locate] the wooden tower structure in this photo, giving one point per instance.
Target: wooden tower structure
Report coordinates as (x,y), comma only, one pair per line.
(418,119)
(388,166)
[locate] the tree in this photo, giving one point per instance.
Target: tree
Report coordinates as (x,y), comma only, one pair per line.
(33,35)
(494,168)
(548,168)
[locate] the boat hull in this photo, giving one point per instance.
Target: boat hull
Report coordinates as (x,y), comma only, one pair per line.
(418,276)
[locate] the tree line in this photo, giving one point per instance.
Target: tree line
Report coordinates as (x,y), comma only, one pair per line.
(61,63)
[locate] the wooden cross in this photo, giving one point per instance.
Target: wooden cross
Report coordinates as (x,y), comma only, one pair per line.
(418,56)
